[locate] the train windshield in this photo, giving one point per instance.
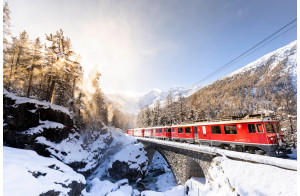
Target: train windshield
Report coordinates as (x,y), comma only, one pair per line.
(269,128)
(276,127)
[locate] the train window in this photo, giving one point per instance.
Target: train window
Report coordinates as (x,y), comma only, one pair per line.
(259,128)
(160,130)
(173,130)
(187,129)
(230,129)
(169,130)
(251,128)
(204,130)
(180,130)
(269,128)
(215,129)
(165,130)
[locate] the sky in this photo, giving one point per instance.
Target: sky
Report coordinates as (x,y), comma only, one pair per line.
(139,45)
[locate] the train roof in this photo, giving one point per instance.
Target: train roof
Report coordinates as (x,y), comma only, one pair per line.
(246,119)
(215,122)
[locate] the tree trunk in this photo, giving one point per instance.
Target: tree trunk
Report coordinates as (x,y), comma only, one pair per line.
(10,75)
(30,81)
(49,96)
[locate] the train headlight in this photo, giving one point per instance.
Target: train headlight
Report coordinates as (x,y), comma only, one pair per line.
(271,138)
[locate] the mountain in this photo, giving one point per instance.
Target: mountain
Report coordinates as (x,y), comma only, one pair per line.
(133,104)
(253,88)
(286,55)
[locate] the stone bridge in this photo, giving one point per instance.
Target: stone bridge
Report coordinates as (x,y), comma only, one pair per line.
(186,161)
(183,162)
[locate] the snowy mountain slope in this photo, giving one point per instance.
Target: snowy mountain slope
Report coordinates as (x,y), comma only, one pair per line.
(263,86)
(287,53)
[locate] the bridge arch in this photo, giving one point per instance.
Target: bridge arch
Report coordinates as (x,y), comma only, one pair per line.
(183,164)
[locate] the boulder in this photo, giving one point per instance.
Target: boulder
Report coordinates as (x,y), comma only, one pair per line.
(131,163)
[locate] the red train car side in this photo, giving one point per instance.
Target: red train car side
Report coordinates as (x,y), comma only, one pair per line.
(252,134)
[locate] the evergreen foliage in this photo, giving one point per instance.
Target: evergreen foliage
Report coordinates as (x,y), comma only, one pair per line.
(50,71)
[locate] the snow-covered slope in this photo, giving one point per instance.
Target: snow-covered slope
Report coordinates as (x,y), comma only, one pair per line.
(288,53)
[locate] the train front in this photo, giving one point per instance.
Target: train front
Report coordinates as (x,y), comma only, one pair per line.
(275,138)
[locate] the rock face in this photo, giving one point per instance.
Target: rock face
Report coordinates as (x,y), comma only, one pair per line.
(26,119)
(130,163)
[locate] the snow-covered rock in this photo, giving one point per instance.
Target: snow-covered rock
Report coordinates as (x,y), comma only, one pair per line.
(27,173)
(48,129)
(131,163)
(26,119)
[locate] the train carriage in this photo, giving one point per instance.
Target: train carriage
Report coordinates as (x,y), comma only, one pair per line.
(161,133)
(183,133)
(148,133)
(139,132)
(242,135)
(254,134)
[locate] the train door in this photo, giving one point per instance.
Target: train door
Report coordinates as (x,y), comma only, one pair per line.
(260,133)
(196,134)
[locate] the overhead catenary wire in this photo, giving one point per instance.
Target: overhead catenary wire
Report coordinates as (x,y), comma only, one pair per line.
(249,51)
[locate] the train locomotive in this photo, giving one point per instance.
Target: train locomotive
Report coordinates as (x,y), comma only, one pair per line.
(254,134)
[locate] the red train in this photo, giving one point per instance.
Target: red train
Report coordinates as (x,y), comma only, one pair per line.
(254,134)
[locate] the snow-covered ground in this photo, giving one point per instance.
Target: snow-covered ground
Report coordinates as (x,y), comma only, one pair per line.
(227,177)
(293,155)
(25,173)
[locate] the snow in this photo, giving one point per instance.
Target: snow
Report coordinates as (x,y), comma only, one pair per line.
(163,182)
(132,154)
(228,177)
(19,166)
(158,163)
(134,104)
(279,162)
(119,188)
(293,155)
(44,125)
(20,100)
(85,150)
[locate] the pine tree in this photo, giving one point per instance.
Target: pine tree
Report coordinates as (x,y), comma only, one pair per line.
(36,62)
